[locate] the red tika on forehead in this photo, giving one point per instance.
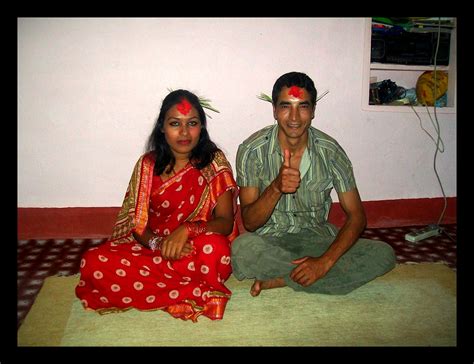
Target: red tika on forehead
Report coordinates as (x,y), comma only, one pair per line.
(295,91)
(184,106)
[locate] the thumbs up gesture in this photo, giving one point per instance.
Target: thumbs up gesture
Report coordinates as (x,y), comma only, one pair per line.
(288,179)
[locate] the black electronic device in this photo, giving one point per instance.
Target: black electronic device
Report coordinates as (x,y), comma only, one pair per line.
(413,48)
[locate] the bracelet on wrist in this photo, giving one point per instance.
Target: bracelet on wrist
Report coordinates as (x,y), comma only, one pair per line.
(195,228)
(155,242)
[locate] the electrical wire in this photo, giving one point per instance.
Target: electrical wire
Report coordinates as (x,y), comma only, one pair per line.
(448,235)
(438,131)
(435,126)
(441,149)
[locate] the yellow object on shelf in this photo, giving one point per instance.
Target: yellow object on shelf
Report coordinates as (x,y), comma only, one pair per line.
(425,87)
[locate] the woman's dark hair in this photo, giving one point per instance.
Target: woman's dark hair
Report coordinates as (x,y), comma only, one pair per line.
(294,79)
(202,154)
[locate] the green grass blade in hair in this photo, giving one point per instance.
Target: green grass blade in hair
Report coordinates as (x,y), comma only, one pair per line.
(265,97)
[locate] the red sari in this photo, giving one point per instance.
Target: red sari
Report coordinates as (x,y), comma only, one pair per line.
(122,274)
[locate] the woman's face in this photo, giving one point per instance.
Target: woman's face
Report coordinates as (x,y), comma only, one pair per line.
(182,128)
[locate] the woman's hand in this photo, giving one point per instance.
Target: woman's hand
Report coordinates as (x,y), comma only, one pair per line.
(176,245)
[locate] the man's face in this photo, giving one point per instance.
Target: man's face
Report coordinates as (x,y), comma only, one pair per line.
(293,111)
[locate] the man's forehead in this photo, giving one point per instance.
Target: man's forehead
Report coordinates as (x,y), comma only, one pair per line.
(295,91)
(294,94)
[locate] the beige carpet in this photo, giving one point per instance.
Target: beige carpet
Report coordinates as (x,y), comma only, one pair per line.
(413,305)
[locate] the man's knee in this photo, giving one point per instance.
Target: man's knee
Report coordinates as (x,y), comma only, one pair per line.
(245,243)
(245,252)
(384,255)
(385,250)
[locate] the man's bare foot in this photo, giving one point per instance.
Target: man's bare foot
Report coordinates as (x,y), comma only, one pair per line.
(258,286)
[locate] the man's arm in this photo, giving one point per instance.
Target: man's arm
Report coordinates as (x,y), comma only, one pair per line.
(257,208)
(353,226)
(310,269)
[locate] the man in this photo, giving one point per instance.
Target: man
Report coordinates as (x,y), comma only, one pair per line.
(286,173)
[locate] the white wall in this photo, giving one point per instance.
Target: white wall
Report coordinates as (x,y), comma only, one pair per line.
(89,91)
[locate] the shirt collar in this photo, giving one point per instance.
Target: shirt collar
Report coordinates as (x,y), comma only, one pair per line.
(274,144)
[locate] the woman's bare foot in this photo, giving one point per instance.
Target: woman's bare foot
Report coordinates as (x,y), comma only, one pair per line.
(258,286)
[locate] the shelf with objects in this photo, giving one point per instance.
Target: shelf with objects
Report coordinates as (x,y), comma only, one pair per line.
(399,65)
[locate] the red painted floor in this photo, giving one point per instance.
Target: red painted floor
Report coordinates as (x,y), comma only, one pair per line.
(38,259)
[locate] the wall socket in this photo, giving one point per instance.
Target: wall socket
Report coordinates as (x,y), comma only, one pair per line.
(426,232)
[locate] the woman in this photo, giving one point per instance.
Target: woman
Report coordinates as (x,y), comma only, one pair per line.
(170,247)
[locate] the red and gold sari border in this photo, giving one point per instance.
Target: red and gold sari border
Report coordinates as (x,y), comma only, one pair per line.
(133,216)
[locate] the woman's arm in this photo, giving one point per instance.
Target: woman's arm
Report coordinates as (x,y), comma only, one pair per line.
(145,237)
(176,245)
(223,221)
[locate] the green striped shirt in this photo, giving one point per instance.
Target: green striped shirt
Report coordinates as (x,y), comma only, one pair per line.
(324,166)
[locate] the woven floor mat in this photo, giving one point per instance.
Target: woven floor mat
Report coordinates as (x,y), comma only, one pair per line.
(38,259)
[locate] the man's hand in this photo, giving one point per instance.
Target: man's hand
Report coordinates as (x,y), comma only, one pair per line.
(309,270)
(288,179)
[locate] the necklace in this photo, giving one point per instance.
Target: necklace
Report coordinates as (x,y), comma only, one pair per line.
(171,173)
(173,170)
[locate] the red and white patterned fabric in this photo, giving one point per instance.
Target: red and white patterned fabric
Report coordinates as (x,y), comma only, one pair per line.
(122,274)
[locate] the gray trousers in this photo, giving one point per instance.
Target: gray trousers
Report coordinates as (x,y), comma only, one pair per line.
(264,257)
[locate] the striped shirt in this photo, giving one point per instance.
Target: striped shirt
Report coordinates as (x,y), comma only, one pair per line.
(324,166)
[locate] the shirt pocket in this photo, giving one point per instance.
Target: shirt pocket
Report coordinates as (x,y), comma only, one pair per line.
(319,192)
